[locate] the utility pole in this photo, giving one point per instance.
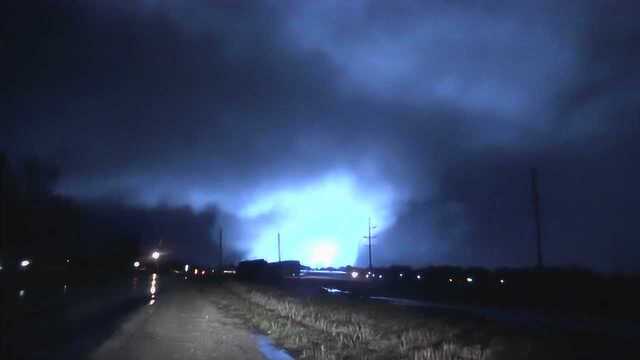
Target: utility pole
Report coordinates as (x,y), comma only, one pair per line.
(220,250)
(279,260)
(536,214)
(369,237)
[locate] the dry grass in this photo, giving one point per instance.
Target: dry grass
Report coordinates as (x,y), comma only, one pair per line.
(336,329)
(339,328)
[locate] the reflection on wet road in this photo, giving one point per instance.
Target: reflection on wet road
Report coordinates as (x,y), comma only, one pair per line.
(146,316)
(185,324)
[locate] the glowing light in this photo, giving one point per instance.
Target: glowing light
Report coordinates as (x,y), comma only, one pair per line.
(186,268)
(68,261)
(418,277)
(153,289)
(401,275)
(335,291)
(450,280)
(354,274)
(229,271)
(469,280)
(501,281)
(154,276)
(380,276)
(136,264)
(195,271)
(155,255)
(21,293)
(0,267)
(25,263)
(325,220)
(324,254)
(153,301)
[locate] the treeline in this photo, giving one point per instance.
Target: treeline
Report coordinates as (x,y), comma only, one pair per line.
(48,228)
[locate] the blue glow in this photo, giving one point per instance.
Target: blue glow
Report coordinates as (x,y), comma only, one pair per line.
(321,224)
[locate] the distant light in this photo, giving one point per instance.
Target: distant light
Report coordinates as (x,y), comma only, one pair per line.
(195,271)
(153,289)
(354,274)
(418,277)
(380,276)
(68,261)
(335,291)
(186,268)
(155,255)
(154,276)
(401,275)
(0,267)
(213,271)
(136,264)
(450,280)
(25,263)
(469,280)
(21,293)
(501,281)
(153,301)
(229,271)
(367,276)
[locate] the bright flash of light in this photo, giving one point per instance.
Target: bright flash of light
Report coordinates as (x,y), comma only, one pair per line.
(354,274)
(25,263)
(323,221)
(155,255)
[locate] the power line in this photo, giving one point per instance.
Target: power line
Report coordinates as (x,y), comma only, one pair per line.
(220,249)
(536,214)
(369,237)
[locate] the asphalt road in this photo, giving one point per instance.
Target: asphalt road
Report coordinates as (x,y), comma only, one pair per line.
(169,318)
(180,324)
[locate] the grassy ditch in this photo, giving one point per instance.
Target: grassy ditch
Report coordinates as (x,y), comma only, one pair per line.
(330,328)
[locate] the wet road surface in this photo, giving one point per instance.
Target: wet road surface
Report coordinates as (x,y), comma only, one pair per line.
(180,324)
(145,317)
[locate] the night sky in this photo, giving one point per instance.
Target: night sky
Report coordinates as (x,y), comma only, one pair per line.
(309,117)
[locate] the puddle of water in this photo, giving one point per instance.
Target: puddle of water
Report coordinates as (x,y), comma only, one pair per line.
(270,351)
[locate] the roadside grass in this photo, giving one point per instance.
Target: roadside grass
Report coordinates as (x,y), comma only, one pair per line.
(328,328)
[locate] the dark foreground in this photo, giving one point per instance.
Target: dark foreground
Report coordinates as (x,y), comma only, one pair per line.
(123,320)
(168,316)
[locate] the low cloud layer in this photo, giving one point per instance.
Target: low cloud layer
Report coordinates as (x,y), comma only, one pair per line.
(441,108)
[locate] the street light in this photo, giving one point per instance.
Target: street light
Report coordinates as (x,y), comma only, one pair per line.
(354,274)
(155,255)
(25,263)
(136,264)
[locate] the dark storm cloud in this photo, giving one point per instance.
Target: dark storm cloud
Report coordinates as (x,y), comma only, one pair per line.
(449,103)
